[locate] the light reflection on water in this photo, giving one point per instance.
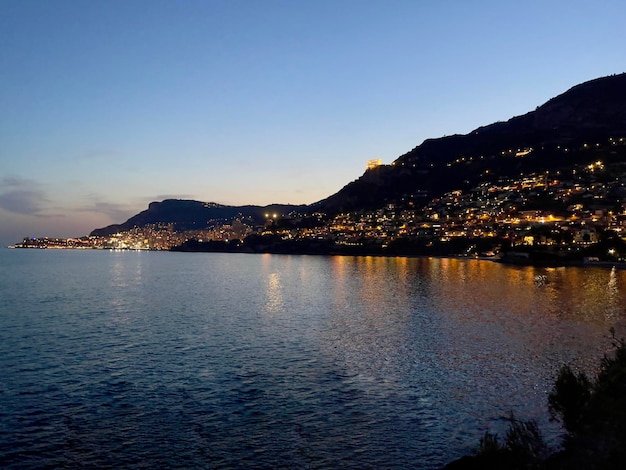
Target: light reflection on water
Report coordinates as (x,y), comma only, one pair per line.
(245,361)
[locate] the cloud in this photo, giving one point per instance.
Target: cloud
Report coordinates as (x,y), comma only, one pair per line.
(11,182)
(23,201)
(22,196)
(17,182)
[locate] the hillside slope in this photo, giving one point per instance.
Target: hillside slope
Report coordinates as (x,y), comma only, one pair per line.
(573,128)
(560,132)
(192,215)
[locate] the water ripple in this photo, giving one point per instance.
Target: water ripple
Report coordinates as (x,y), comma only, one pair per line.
(167,360)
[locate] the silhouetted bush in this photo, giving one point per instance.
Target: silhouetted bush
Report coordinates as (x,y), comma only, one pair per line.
(593,414)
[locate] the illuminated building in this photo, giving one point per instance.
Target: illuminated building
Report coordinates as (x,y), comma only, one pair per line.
(375,163)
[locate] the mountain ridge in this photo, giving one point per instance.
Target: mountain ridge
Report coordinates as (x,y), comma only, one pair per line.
(186,214)
(556,133)
(591,111)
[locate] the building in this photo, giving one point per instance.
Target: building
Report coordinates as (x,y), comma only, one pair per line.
(375,163)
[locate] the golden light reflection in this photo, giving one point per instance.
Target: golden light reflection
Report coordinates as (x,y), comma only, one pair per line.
(274,303)
(476,286)
(456,317)
(125,282)
(464,288)
(368,279)
(525,304)
(380,295)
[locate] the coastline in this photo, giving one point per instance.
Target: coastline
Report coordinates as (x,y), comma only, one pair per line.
(354,251)
(537,262)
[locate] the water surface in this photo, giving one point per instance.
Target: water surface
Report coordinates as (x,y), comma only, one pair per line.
(150,359)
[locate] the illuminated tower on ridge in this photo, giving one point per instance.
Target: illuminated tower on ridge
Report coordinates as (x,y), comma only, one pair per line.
(375,163)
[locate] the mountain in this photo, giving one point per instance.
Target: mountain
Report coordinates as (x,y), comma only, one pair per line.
(192,215)
(573,128)
(562,132)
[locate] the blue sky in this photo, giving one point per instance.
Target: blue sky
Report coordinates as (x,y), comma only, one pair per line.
(106,106)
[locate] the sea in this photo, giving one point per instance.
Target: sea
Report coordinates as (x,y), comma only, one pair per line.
(128,359)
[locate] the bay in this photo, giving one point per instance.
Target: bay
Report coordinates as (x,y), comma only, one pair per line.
(206,360)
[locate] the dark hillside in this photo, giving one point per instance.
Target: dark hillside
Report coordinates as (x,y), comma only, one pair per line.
(192,215)
(564,131)
(584,124)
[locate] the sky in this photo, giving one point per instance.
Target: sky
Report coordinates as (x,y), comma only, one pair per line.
(108,105)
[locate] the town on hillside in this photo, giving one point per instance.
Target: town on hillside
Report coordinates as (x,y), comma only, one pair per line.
(550,216)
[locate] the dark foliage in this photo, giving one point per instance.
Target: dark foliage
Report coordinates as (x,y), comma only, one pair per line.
(593,414)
